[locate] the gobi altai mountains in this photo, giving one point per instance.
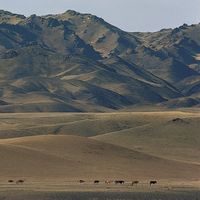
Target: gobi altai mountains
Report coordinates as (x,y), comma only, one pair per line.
(79,62)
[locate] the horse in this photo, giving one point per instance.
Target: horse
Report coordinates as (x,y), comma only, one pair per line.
(20,181)
(119,182)
(153,182)
(96,182)
(81,181)
(134,183)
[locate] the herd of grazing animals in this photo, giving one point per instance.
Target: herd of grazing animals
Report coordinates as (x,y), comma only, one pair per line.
(121,182)
(17,182)
(116,182)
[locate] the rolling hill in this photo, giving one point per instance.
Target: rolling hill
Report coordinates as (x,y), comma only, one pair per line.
(56,157)
(169,135)
(53,151)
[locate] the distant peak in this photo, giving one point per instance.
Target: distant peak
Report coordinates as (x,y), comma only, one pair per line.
(7,13)
(184,26)
(33,16)
(72,12)
(75,13)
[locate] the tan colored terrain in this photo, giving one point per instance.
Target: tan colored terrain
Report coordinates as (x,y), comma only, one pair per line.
(162,146)
(150,132)
(73,157)
(197,57)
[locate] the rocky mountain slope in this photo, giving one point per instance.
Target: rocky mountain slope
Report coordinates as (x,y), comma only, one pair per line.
(79,62)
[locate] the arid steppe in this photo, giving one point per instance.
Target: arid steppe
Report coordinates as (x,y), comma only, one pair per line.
(53,151)
(91,111)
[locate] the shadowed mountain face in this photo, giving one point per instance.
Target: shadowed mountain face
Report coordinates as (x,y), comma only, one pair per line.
(78,62)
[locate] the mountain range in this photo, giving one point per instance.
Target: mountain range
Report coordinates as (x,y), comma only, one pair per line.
(73,62)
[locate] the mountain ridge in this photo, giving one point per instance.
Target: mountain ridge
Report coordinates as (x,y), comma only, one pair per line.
(78,62)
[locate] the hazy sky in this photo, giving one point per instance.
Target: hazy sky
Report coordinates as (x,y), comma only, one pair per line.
(130,15)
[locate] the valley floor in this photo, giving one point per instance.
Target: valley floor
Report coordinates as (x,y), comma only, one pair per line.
(54,151)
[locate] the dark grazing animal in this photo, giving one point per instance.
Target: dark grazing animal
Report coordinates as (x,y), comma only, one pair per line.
(119,182)
(20,181)
(177,120)
(81,181)
(134,183)
(96,182)
(10,181)
(153,182)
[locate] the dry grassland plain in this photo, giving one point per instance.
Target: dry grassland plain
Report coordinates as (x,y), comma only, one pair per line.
(52,152)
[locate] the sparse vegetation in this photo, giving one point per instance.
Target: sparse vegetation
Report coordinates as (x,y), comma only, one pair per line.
(105,147)
(67,82)
(75,62)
